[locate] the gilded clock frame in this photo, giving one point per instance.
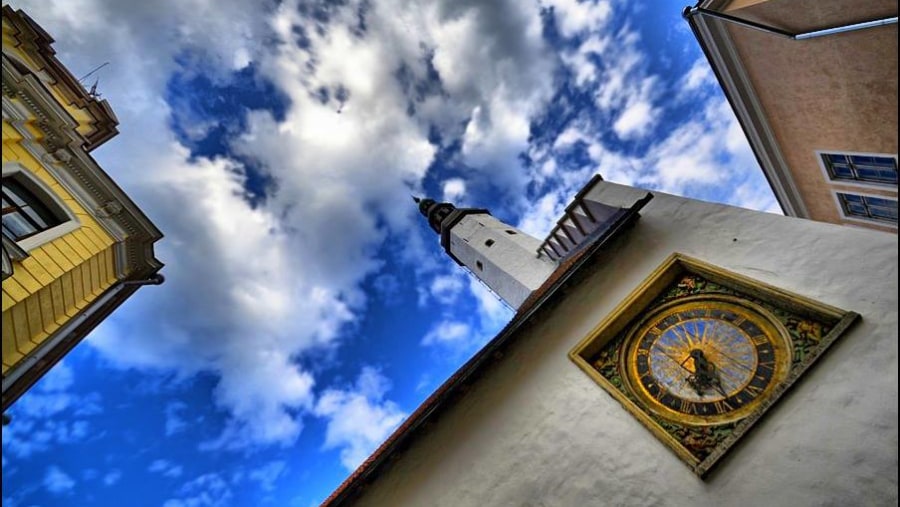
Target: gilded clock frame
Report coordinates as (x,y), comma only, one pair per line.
(624,322)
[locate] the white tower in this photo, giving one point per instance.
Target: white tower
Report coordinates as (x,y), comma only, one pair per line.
(503,257)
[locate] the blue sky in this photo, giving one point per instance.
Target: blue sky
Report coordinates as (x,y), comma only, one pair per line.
(308,308)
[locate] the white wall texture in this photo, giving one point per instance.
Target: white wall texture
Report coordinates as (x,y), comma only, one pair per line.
(535,430)
(510,266)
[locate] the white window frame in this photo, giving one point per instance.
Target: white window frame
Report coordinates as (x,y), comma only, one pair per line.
(853,183)
(55,203)
(858,219)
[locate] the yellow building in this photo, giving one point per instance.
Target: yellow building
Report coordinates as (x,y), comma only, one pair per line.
(814,85)
(74,245)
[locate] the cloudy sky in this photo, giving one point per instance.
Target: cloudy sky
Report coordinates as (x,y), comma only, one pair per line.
(308,308)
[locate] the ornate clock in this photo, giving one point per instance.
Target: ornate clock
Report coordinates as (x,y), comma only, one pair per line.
(706,359)
(698,354)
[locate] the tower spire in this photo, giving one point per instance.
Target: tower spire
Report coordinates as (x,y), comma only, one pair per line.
(501,256)
(434,211)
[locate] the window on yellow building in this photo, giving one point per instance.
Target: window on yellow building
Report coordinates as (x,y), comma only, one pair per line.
(24,212)
(33,213)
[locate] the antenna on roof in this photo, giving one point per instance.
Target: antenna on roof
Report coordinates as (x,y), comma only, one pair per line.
(93,91)
(104,64)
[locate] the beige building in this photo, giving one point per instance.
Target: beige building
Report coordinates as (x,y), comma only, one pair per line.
(734,309)
(814,85)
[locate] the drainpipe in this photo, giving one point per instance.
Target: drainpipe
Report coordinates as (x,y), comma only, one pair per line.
(155,279)
(65,329)
(689,12)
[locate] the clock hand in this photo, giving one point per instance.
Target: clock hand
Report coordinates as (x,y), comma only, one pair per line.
(675,360)
(726,356)
(705,373)
(690,376)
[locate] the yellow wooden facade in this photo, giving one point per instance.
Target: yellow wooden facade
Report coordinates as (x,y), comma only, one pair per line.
(58,278)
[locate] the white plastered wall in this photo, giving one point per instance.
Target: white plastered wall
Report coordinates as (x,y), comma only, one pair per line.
(535,430)
(502,256)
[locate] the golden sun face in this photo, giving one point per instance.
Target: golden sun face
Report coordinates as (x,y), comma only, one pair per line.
(705,360)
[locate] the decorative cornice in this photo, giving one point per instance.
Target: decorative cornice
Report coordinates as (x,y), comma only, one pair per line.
(37,43)
(61,152)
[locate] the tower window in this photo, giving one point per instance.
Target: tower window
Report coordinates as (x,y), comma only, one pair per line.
(510,232)
(868,207)
(479,265)
(489,243)
(24,214)
(868,169)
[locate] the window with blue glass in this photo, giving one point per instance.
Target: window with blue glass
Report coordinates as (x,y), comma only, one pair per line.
(869,169)
(24,213)
(869,207)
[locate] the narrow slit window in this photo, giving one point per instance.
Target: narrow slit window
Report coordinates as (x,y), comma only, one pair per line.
(489,243)
(479,265)
(510,232)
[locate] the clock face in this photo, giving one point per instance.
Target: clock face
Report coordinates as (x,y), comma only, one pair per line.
(706,360)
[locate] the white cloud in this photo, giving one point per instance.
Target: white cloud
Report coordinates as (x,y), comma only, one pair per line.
(207,490)
(571,135)
(691,154)
(574,17)
(268,474)
(59,378)
(622,85)
(492,311)
(446,288)
(581,59)
(463,337)
(359,418)
(112,477)
(498,72)
(57,481)
(454,189)
(165,468)
(174,422)
(541,217)
(447,333)
(216,302)
(635,119)
(50,415)
(699,75)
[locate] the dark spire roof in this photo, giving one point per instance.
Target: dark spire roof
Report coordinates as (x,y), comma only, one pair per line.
(434,211)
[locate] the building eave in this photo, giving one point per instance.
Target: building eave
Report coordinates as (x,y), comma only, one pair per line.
(719,49)
(569,272)
(88,318)
(60,151)
(39,45)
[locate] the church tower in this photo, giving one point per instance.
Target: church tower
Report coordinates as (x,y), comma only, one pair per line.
(503,257)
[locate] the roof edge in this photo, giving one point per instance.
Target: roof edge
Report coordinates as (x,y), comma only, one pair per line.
(40,44)
(717,46)
(444,394)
